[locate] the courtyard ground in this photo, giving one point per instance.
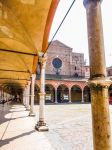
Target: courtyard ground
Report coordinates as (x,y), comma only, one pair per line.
(69,128)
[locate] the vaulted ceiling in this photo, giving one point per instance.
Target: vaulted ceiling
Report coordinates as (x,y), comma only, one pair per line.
(24,31)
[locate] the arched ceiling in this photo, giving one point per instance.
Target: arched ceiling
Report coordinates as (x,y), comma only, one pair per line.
(24,31)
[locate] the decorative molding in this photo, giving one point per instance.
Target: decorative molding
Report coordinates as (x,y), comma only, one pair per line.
(99,84)
(86,2)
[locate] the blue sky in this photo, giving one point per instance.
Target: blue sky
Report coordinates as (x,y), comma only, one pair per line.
(73,32)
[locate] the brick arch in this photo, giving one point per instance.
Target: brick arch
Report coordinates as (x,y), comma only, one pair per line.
(68,83)
(81,84)
(76,94)
(50,85)
(77,85)
(86,86)
(51,82)
(50,91)
(63,85)
(37,86)
(62,90)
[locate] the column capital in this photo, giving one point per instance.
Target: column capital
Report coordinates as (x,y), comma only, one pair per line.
(86,2)
(42,61)
(41,94)
(98,84)
(55,88)
(28,83)
(69,88)
(33,76)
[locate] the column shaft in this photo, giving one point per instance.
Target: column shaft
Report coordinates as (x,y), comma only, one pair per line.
(98,83)
(100,116)
(82,97)
(69,95)
(24,101)
(32,95)
(41,125)
(95,39)
(28,95)
(56,96)
(41,109)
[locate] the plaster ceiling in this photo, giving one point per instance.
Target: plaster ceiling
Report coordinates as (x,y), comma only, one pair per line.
(24,31)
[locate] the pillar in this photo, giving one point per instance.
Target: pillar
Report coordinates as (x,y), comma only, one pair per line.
(98,82)
(82,97)
(41,125)
(32,95)
(28,96)
(70,95)
(0,93)
(24,96)
(55,96)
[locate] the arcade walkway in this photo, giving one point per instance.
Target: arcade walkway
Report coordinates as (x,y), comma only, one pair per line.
(70,128)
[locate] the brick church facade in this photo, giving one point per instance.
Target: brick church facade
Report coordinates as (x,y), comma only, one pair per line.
(65,75)
(71,64)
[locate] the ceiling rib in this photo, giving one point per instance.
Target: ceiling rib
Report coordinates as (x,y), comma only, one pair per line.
(15,70)
(12,79)
(11,51)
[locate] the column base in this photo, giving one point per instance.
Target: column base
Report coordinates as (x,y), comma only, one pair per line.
(55,102)
(69,102)
(27,108)
(31,114)
(41,126)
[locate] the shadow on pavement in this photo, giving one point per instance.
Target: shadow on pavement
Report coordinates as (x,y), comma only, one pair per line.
(7,141)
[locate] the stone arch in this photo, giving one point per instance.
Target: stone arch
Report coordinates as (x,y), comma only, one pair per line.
(86,94)
(62,93)
(50,93)
(76,93)
(37,91)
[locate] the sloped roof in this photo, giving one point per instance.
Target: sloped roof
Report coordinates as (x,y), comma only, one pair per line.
(58,43)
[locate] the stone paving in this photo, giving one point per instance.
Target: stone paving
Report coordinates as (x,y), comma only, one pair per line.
(69,128)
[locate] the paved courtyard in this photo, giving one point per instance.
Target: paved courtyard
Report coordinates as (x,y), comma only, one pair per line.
(69,128)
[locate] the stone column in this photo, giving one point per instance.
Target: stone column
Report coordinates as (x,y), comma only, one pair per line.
(28,96)
(24,97)
(70,95)
(41,125)
(55,96)
(32,95)
(82,97)
(0,93)
(98,83)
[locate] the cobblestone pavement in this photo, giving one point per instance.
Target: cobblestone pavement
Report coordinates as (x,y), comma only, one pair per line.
(69,128)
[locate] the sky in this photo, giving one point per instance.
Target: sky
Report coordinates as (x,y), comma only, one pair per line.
(73,31)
